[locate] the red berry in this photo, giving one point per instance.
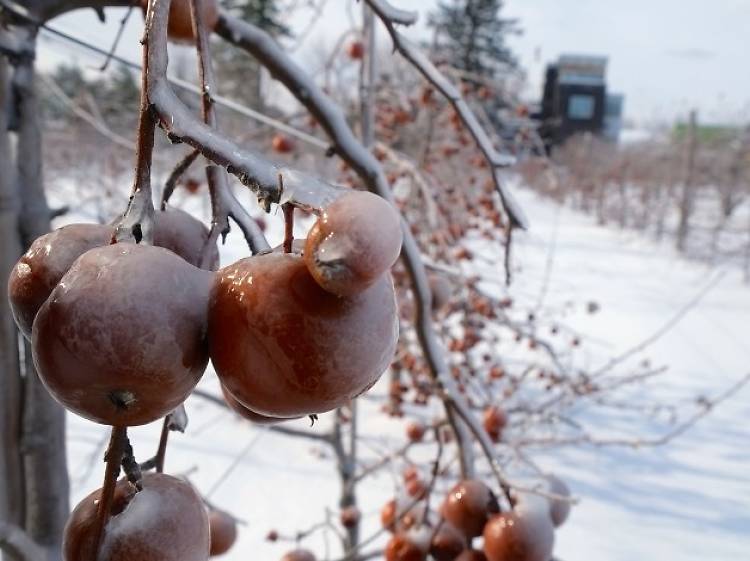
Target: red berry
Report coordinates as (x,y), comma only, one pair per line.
(521,535)
(223,532)
(355,50)
(415,431)
(468,506)
(282,144)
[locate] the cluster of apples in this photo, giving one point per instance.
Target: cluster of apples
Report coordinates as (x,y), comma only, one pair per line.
(121,333)
(165,520)
(470,510)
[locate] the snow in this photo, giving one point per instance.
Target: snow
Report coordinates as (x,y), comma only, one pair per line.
(684,501)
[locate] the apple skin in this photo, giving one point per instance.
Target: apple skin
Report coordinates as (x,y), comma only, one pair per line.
(472,555)
(122,338)
(185,235)
(353,243)
(404,547)
(468,506)
(524,534)
(180,22)
(246,413)
(299,555)
(165,521)
(223,531)
(284,347)
(48,258)
(447,543)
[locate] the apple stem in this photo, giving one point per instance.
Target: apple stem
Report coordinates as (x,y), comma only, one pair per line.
(288,210)
(137,222)
(162,450)
(113,456)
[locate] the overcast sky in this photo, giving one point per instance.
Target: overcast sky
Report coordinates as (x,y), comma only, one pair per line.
(666,56)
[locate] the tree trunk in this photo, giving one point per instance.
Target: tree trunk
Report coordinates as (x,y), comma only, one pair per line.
(43,442)
(687,200)
(11,385)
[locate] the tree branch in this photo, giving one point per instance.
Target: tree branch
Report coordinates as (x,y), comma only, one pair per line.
(396,15)
(252,169)
(223,202)
(16,542)
(428,70)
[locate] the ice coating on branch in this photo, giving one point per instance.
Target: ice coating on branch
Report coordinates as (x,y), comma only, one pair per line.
(396,15)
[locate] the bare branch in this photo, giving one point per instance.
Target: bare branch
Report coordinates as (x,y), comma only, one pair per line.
(99,126)
(425,67)
(16,542)
(223,202)
(707,405)
(659,333)
(174,177)
(396,15)
(138,221)
(118,36)
(252,169)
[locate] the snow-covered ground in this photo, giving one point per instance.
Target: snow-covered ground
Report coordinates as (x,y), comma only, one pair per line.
(689,500)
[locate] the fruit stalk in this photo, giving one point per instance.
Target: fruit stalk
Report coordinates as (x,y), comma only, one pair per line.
(138,220)
(162,450)
(115,451)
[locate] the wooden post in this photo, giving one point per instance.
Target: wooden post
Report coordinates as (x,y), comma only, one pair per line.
(687,199)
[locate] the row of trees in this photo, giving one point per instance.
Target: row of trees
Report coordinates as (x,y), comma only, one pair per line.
(691,187)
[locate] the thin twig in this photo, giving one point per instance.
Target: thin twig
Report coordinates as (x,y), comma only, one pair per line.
(288,211)
(174,177)
(18,544)
(428,70)
(113,457)
(664,329)
(118,36)
(223,202)
(137,222)
(161,451)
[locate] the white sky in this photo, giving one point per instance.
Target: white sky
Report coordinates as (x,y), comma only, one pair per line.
(666,56)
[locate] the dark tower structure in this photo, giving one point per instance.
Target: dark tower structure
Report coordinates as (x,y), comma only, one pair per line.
(575,100)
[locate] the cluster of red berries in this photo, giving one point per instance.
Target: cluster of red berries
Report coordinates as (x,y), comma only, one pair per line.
(470,510)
